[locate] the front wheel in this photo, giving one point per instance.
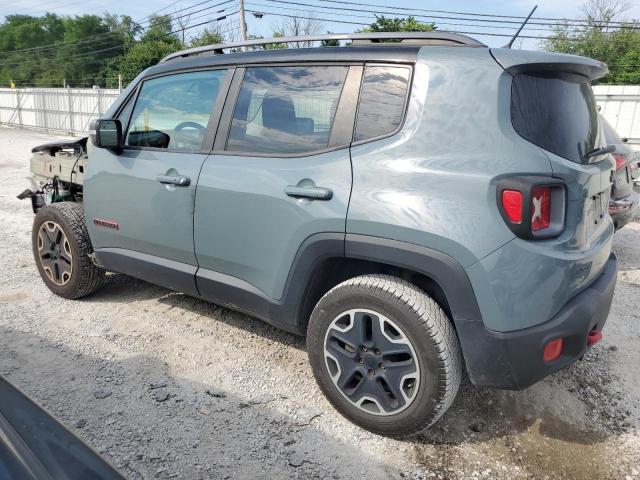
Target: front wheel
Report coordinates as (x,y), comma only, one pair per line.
(61,247)
(385,354)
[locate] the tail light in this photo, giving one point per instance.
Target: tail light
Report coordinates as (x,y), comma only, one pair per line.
(512,204)
(621,160)
(533,207)
(541,208)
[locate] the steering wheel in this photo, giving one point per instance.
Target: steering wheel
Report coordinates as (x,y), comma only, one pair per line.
(183,125)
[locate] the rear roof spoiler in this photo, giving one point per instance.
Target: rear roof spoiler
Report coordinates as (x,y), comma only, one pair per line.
(523,61)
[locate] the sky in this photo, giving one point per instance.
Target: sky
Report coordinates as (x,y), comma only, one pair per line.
(265,26)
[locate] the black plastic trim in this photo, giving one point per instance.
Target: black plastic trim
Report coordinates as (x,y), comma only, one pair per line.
(161,271)
(443,269)
(344,121)
(224,127)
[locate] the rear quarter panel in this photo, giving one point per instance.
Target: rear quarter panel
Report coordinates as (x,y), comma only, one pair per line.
(433,183)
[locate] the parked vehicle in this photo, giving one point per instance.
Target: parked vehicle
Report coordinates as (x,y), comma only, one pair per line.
(623,206)
(412,208)
(35,446)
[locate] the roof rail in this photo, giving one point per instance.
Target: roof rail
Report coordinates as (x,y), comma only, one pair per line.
(412,38)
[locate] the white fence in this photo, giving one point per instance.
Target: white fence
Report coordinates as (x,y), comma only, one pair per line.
(69,110)
(621,107)
(60,110)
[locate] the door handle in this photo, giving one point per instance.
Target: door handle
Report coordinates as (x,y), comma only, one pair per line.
(313,193)
(178,180)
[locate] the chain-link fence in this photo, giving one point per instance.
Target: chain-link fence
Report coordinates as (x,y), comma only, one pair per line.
(60,110)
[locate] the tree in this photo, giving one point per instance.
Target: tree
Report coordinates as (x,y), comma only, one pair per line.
(603,38)
(297,27)
(145,54)
(160,27)
(408,24)
(207,37)
(330,43)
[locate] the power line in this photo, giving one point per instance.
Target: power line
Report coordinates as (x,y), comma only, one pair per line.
(491,34)
(123,45)
(520,18)
(428,17)
(373,18)
(144,20)
(173,32)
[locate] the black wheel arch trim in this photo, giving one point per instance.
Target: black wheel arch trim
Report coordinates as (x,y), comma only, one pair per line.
(443,269)
(287,312)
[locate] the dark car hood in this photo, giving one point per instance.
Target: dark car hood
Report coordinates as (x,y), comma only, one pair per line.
(51,148)
(35,446)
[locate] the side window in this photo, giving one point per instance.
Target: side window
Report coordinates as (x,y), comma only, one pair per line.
(172,112)
(286,110)
(382,101)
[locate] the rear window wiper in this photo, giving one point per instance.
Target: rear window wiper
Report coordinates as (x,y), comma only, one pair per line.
(600,151)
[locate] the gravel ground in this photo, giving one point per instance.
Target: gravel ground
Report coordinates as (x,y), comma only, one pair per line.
(168,386)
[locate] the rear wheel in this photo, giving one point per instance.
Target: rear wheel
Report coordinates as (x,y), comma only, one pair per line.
(61,247)
(385,354)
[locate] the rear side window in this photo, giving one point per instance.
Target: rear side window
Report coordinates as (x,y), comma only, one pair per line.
(286,110)
(173,111)
(382,101)
(556,113)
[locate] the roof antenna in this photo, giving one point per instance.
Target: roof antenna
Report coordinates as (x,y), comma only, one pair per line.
(513,39)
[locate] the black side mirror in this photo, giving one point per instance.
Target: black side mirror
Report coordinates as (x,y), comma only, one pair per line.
(107,133)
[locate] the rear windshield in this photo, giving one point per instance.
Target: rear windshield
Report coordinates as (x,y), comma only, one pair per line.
(556,113)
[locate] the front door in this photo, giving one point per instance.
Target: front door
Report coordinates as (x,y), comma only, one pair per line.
(140,201)
(281,175)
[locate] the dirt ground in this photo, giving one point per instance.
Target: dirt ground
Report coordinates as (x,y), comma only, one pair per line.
(168,386)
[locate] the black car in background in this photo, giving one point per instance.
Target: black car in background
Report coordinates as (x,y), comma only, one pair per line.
(35,446)
(623,206)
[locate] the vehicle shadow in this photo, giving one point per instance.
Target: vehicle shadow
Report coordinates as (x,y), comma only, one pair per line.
(152,423)
(122,288)
(551,412)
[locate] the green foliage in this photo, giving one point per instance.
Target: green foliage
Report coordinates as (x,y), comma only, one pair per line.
(207,37)
(619,48)
(54,50)
(408,24)
(82,51)
(330,43)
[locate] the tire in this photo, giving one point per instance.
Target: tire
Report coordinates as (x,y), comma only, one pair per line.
(65,266)
(388,393)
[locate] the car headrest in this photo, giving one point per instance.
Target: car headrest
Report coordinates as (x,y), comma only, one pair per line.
(279,113)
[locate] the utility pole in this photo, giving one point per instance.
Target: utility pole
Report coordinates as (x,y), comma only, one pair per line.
(119,83)
(243,21)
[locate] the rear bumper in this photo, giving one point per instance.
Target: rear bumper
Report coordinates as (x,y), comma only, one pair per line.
(514,360)
(624,210)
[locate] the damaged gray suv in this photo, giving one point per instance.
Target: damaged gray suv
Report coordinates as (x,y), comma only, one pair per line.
(417,208)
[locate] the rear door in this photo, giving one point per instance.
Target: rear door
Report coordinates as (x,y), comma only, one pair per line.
(141,202)
(280,173)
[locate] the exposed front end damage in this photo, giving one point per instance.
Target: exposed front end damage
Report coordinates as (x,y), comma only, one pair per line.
(57,173)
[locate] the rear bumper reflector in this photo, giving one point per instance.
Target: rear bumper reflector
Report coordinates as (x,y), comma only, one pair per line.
(594,337)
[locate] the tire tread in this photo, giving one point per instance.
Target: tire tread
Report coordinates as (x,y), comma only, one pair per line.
(435,324)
